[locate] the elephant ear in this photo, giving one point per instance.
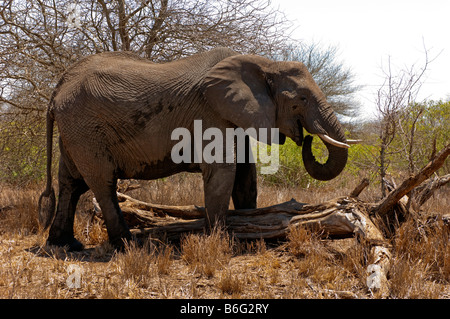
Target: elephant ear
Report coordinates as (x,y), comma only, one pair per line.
(237,89)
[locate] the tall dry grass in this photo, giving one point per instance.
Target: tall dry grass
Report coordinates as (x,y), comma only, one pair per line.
(216,265)
(18,209)
(205,253)
(421,267)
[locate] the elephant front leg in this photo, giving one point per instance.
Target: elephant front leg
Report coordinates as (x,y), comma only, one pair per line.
(218,182)
(245,191)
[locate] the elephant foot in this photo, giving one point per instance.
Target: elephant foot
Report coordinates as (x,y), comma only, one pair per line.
(213,226)
(120,242)
(71,243)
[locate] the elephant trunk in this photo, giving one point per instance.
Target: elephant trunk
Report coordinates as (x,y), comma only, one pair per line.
(334,140)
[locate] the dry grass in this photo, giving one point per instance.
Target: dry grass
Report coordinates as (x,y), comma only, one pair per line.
(18,209)
(206,253)
(422,261)
(214,265)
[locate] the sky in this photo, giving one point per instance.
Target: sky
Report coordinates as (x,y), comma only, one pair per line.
(369,33)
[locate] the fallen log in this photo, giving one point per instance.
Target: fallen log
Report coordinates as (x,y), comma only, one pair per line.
(185,212)
(338,218)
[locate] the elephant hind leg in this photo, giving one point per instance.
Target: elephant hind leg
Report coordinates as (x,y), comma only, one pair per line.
(100,177)
(70,189)
(99,173)
(118,231)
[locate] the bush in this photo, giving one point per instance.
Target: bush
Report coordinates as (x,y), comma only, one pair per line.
(22,151)
(291,171)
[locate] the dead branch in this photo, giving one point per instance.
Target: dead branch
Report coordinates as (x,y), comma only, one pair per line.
(382,207)
(341,217)
(358,189)
(185,212)
(337,218)
(427,189)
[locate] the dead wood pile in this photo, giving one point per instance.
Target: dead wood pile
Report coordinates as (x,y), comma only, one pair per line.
(342,217)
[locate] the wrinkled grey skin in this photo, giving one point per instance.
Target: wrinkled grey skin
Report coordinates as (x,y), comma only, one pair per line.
(116,112)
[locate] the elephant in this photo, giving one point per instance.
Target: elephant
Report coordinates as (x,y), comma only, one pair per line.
(115,112)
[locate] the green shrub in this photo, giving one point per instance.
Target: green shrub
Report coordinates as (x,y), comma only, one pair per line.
(291,171)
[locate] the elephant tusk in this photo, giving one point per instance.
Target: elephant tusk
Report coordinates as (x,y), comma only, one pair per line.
(331,141)
(354,141)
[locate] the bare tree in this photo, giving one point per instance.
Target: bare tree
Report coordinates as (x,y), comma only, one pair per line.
(165,30)
(40,39)
(335,79)
(396,94)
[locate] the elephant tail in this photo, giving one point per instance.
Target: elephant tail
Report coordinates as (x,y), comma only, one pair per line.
(47,200)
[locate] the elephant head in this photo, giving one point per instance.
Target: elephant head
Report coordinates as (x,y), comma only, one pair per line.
(252,91)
